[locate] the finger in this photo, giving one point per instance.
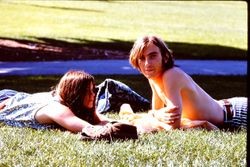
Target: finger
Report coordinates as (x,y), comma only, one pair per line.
(175,116)
(170,122)
(165,120)
(168,119)
(172,117)
(172,110)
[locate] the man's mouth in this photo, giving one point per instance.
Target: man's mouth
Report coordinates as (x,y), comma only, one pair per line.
(148,70)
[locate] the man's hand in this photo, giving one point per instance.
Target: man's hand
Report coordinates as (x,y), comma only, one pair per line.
(167,115)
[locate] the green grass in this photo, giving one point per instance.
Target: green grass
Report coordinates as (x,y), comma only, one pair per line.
(27,147)
(202,29)
(207,29)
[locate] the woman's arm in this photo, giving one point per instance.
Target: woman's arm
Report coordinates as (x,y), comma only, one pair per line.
(68,120)
(101,119)
(63,116)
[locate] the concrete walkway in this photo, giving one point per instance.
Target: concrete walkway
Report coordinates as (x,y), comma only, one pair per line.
(109,67)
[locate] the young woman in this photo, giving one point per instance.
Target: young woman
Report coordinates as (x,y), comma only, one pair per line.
(174,93)
(70,106)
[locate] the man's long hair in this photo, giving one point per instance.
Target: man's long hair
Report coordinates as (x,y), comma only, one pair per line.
(141,43)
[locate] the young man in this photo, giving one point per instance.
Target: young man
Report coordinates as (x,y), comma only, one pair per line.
(174,93)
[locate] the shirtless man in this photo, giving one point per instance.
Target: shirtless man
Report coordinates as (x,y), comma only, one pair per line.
(174,93)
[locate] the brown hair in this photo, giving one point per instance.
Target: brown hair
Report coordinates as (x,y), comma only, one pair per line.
(141,43)
(72,88)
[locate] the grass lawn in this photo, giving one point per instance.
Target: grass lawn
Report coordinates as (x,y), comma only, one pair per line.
(192,29)
(202,29)
(27,147)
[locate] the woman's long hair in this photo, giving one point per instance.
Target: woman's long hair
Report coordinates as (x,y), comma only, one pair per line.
(72,89)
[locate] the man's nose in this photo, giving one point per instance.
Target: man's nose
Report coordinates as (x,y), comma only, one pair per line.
(147,62)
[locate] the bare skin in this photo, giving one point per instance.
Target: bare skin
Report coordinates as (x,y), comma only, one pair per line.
(63,116)
(177,91)
(147,123)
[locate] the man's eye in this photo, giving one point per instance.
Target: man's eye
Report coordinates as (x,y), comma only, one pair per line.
(152,56)
(141,58)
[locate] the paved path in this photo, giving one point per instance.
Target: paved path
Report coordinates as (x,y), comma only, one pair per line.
(108,67)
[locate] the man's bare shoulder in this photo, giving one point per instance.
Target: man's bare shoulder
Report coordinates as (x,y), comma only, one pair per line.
(176,78)
(173,73)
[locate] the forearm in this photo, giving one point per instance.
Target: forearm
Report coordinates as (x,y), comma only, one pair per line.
(102,119)
(171,116)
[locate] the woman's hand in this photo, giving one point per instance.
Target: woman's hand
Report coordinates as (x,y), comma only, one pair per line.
(167,115)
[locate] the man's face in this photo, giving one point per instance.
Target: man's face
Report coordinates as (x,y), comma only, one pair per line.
(150,63)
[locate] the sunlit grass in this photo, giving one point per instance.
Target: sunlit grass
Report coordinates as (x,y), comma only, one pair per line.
(27,147)
(202,22)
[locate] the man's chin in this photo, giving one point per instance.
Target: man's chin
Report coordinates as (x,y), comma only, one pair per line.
(148,76)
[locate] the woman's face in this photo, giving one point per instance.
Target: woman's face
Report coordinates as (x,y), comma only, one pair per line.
(89,99)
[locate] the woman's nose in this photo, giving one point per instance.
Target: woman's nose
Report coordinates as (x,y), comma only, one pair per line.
(93,92)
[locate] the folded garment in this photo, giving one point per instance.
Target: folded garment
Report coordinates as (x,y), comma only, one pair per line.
(147,123)
(111,131)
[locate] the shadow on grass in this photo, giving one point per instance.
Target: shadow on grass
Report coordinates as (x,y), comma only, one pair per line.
(59,8)
(45,49)
(236,84)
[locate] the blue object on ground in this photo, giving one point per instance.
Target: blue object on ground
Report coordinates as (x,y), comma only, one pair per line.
(122,67)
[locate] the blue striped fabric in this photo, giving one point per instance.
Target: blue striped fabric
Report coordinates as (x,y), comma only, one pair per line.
(239,108)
